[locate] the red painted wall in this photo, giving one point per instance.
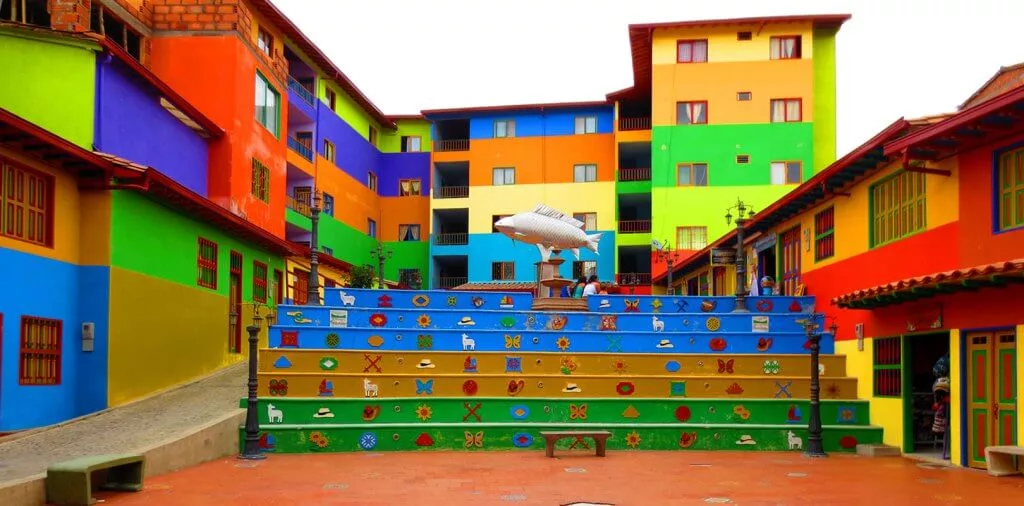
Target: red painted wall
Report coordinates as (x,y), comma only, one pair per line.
(978,244)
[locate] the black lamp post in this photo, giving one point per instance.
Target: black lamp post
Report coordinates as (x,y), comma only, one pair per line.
(251,449)
(814,445)
(744,213)
(313,286)
(381,254)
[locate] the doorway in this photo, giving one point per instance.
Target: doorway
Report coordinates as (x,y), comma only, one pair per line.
(789,250)
(990,392)
(235,303)
(921,354)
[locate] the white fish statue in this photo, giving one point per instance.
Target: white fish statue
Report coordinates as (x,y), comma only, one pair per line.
(549,229)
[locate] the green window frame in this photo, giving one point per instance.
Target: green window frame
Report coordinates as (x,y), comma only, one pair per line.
(898,207)
(887,367)
(268,105)
(1010,189)
(825,234)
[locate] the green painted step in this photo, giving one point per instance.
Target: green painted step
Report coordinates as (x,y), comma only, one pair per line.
(299,412)
(493,436)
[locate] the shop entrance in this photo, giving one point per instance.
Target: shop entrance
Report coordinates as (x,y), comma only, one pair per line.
(990,392)
(924,397)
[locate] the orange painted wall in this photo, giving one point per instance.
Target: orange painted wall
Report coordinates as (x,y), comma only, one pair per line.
(541,159)
(213,73)
(354,203)
(403,211)
(978,244)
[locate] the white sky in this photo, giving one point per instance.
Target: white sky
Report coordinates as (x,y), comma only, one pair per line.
(894,57)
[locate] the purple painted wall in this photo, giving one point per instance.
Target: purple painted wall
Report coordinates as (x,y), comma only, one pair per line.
(353,154)
(131,123)
(398,166)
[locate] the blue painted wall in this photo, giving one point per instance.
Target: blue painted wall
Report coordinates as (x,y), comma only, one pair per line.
(131,123)
(72,294)
(486,248)
(532,123)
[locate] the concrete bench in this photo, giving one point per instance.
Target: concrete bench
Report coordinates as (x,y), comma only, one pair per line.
(1003,460)
(600,440)
(71,483)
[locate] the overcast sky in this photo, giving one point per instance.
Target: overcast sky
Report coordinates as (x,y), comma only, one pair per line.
(894,58)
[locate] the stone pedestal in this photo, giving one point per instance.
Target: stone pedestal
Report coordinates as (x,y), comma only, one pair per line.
(549,293)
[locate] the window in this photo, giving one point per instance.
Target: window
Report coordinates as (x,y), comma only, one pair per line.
(411,144)
(300,290)
(328,204)
(742,159)
(278,286)
(744,96)
(207,262)
(259,282)
(584,173)
(1011,189)
(410,188)
(692,174)
(589,220)
(787,110)
(691,113)
(586,125)
(503,271)
(691,238)
(329,151)
(260,181)
(40,356)
(504,128)
(744,36)
(410,278)
(888,365)
(26,204)
(408,232)
(332,98)
(371,228)
(504,176)
(372,135)
(897,207)
(787,172)
(34,12)
(494,219)
(785,48)
(371,181)
(267,100)
(583,268)
(692,51)
(824,234)
(264,41)
(102,21)
(327,251)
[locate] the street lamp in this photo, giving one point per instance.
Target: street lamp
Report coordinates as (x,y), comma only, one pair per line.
(251,450)
(811,326)
(744,213)
(313,286)
(666,254)
(381,254)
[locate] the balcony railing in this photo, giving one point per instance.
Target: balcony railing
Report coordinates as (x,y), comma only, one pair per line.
(451,239)
(637,123)
(301,91)
(451,192)
(452,145)
(300,148)
(634,174)
(299,206)
(451,281)
(633,278)
(635,227)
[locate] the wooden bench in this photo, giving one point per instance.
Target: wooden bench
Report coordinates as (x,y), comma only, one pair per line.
(600,440)
(1003,460)
(71,483)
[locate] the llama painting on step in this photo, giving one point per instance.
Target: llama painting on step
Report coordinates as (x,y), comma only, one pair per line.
(370,389)
(657,325)
(467,343)
(795,443)
(274,415)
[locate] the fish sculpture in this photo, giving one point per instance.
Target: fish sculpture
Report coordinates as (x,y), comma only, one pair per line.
(548,229)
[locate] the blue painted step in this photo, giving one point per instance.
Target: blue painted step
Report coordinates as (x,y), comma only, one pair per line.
(690,304)
(434,299)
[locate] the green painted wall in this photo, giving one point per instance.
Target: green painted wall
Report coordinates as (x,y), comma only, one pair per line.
(354,246)
(678,206)
(824,98)
(170,252)
(408,255)
(391,142)
(632,187)
(54,85)
(718,145)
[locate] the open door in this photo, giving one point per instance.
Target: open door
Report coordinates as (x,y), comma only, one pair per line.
(235,301)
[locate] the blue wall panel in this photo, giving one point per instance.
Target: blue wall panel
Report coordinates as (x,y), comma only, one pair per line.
(536,123)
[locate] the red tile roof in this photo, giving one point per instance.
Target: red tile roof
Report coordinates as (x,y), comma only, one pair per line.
(1005,79)
(1009,268)
(518,107)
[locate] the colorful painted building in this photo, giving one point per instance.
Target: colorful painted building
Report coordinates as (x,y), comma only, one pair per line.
(916,240)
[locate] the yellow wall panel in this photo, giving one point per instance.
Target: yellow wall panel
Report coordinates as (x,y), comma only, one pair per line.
(66,209)
(886,413)
(722,43)
(94,216)
(956,422)
(486,201)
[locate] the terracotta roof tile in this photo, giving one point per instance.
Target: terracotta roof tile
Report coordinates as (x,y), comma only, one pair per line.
(1012,267)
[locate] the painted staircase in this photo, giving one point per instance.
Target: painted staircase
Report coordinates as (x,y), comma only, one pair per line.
(418,370)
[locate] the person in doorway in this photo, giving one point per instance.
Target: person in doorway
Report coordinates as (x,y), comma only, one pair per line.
(577,291)
(593,286)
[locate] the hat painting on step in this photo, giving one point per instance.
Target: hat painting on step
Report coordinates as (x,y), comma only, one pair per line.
(665,343)
(605,304)
(746,440)
(323,413)
(572,388)
(425,364)
(466,320)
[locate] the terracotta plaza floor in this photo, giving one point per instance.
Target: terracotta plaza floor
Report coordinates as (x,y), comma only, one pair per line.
(528,478)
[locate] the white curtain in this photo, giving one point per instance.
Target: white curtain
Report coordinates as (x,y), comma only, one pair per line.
(778,111)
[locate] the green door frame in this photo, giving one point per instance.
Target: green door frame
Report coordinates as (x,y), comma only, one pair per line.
(907,390)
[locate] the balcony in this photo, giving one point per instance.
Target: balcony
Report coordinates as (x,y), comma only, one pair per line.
(634,123)
(451,192)
(299,206)
(301,91)
(635,227)
(446,282)
(633,278)
(451,239)
(300,147)
(451,145)
(627,174)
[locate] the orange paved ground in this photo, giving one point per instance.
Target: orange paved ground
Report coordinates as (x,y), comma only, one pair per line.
(623,478)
